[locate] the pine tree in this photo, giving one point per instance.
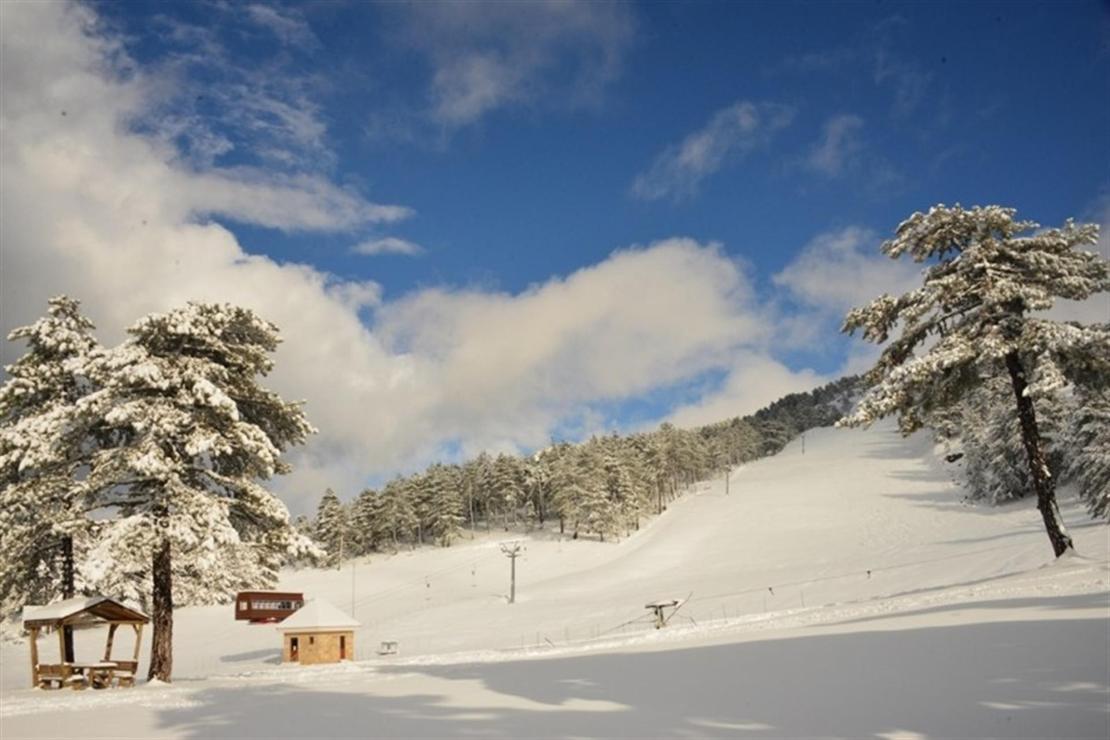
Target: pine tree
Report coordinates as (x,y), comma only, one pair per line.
(976,316)
(396,511)
(193,435)
(445,513)
(508,488)
(621,494)
(331,527)
(362,526)
(43,527)
(1090,445)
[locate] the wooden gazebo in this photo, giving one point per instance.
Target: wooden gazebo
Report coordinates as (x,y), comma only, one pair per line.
(83,611)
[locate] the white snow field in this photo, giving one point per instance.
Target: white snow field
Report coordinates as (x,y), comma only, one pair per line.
(847,591)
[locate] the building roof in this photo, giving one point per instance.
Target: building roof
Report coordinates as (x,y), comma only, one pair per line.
(318,614)
(80,608)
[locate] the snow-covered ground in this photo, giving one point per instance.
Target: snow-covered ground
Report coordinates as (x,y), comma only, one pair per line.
(846,591)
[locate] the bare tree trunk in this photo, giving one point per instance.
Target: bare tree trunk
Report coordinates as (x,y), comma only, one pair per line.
(1043,483)
(69,590)
(161,643)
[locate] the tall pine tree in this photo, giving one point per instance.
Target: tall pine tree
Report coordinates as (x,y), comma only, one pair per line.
(193,436)
(977,315)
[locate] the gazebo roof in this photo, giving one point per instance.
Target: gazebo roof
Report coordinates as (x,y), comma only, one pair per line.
(318,614)
(78,609)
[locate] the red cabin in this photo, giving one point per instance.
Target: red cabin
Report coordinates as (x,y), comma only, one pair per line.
(267,606)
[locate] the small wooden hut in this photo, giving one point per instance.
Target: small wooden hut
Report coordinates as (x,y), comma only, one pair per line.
(78,612)
(318,632)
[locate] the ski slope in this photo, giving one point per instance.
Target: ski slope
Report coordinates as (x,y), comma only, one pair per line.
(845,590)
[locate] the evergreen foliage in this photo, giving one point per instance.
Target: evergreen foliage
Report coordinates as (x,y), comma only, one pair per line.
(43,529)
(976,318)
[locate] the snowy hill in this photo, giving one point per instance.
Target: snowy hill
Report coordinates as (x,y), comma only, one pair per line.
(846,590)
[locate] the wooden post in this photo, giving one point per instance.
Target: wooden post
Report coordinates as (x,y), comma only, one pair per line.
(111,634)
(34,657)
(138,642)
(66,668)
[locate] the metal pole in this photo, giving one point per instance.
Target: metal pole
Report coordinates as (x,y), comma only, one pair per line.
(511,550)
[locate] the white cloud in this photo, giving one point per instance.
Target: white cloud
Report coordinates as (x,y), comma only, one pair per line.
(754,381)
(288,25)
(839,143)
(388,245)
(907,80)
(841,269)
(208,101)
(489,55)
(730,134)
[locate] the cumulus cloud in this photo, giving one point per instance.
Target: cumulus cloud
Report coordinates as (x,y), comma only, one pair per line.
(753,381)
(543,354)
(841,269)
(839,142)
(388,245)
(730,134)
(489,55)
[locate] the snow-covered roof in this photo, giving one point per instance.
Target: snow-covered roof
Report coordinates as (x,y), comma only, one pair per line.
(318,614)
(100,606)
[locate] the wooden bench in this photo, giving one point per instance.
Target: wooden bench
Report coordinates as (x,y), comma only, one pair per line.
(388,647)
(51,676)
(124,673)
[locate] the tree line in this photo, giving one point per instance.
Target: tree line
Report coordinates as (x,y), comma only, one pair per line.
(604,487)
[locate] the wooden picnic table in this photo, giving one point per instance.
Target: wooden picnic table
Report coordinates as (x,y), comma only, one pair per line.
(97,673)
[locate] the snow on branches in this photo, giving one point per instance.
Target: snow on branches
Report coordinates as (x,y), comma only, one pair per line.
(978,317)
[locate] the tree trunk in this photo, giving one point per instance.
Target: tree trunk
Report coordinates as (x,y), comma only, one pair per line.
(69,590)
(470,505)
(1043,483)
(161,644)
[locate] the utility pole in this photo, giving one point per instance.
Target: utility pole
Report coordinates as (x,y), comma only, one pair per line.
(512,551)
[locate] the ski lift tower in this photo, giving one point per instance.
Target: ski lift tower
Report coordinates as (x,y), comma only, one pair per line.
(658,607)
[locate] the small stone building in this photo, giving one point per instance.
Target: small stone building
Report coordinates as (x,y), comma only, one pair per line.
(318,632)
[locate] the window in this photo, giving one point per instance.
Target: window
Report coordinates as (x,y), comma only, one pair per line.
(311,640)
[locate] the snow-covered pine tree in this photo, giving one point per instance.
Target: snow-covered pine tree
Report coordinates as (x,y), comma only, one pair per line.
(396,511)
(445,503)
(331,527)
(537,484)
(986,429)
(508,488)
(621,494)
(362,523)
(43,527)
(976,316)
(193,435)
(1089,466)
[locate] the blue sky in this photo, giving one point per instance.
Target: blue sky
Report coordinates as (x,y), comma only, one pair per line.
(504,164)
